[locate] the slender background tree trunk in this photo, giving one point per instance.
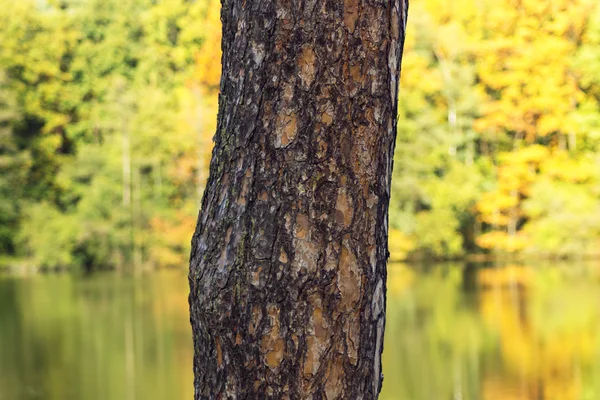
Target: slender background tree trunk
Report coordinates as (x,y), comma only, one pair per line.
(288,262)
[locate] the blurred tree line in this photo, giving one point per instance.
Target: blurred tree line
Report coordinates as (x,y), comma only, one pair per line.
(107,110)
(104,130)
(498,139)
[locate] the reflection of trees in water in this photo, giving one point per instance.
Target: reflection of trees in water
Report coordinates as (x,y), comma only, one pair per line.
(9,333)
(432,338)
(99,338)
(452,333)
(546,335)
(495,333)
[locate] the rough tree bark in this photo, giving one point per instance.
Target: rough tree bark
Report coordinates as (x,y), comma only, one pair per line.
(288,262)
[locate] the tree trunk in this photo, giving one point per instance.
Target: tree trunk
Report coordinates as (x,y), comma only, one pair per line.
(288,262)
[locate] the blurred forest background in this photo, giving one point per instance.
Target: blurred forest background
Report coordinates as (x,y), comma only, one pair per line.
(108,108)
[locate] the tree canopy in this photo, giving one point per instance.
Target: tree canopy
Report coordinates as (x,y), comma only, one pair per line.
(107,110)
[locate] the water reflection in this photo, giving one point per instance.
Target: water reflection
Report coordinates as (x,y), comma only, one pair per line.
(453,332)
(498,333)
(105,337)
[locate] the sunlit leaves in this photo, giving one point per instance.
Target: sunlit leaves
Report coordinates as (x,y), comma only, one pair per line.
(111,121)
(498,131)
(508,91)
(523,66)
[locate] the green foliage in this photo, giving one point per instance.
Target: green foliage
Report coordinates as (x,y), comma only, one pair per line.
(99,141)
(50,235)
(12,163)
(107,108)
(564,218)
(498,129)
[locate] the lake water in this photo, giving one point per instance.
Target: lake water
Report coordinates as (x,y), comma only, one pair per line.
(453,332)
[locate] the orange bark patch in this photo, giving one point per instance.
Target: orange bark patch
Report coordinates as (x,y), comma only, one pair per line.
(302,226)
(272,344)
(256,314)
(288,222)
(313,355)
(306,255)
(395,26)
(256,277)
(224,187)
(350,14)
(352,335)
(286,129)
(356,73)
(275,356)
(306,64)
(344,209)
(355,78)
(364,156)
(223,258)
(373,256)
(295,341)
(317,341)
(318,322)
(322,151)
(326,118)
(283,257)
(245,185)
(334,381)
(331,256)
(288,93)
(219,353)
(349,283)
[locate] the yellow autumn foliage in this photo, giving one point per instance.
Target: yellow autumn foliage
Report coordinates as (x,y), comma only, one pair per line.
(399,245)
